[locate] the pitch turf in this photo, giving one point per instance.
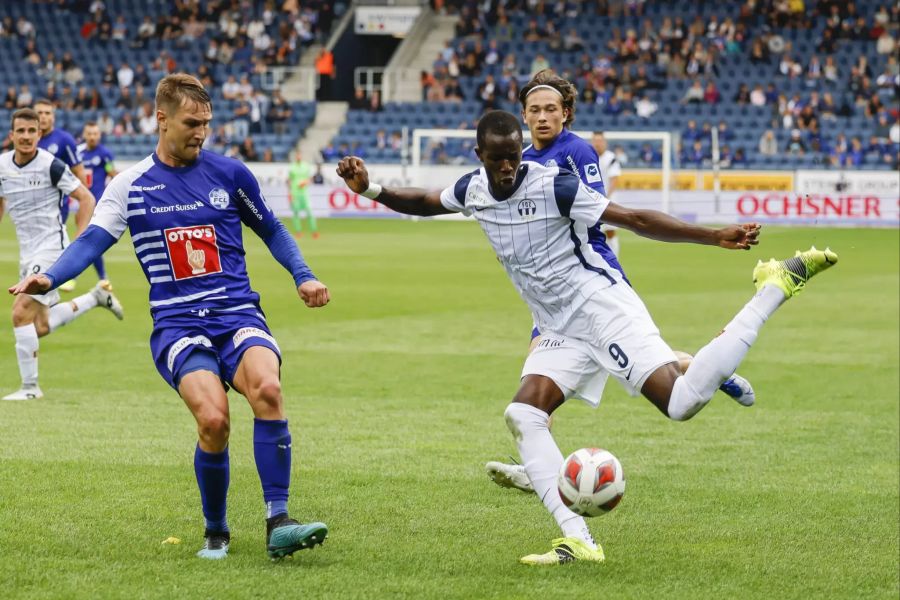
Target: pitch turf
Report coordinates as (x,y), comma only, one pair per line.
(395,394)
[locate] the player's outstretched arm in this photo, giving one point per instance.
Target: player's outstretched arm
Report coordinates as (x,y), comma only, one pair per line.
(409,201)
(658,225)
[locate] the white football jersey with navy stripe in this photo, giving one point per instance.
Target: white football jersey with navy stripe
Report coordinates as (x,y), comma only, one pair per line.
(540,234)
(33,193)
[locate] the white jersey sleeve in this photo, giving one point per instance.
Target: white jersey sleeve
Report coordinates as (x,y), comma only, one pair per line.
(111,212)
(454,197)
(576,200)
(67,183)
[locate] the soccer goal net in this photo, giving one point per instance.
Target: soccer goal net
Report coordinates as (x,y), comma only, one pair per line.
(437,155)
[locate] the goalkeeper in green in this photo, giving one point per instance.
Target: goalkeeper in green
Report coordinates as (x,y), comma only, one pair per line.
(299,178)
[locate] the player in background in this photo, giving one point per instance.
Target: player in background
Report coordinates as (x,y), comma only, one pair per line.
(61,144)
(610,169)
(299,178)
(184,207)
(97,161)
(548,109)
(31,183)
(594,325)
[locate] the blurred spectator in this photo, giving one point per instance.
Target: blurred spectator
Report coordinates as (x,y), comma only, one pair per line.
(374,104)
(9,102)
(140,75)
(240,120)
(757,96)
(248,150)
(231,89)
(711,94)
(24,98)
(125,125)
(739,158)
(694,94)
(147,120)
(795,145)
(125,75)
(120,29)
(743,94)
(267,156)
(280,112)
(768,144)
(644,107)
(105,123)
(649,156)
(691,132)
(539,64)
(325,69)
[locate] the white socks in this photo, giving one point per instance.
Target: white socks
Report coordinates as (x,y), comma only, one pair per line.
(719,359)
(542,460)
(63,313)
(26,351)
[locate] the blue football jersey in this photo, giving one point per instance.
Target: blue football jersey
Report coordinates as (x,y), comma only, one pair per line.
(571,152)
(62,145)
(97,163)
(186,227)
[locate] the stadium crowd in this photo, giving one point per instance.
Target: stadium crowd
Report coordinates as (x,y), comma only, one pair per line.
(625,70)
(228,44)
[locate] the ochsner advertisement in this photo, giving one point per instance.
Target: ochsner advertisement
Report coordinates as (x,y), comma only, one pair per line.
(827,198)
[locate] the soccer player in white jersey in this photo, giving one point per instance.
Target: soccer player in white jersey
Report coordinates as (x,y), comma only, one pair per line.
(184,207)
(548,109)
(32,184)
(593,325)
(611,170)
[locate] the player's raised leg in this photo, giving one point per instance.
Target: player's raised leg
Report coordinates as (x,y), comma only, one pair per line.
(528,417)
(681,397)
(202,391)
(257,378)
(310,217)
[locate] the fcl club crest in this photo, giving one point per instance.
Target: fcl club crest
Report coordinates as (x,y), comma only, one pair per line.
(527,208)
(218,198)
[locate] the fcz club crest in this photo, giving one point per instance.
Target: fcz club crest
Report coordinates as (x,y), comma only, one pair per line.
(527,208)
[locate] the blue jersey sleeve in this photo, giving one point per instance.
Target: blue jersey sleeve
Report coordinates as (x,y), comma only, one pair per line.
(588,164)
(68,150)
(86,248)
(257,215)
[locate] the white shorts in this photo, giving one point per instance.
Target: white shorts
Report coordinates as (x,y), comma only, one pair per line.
(38,264)
(611,334)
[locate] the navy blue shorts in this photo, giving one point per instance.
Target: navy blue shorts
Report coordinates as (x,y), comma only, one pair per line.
(224,334)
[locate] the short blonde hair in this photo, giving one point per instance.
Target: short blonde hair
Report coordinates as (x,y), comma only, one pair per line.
(173,89)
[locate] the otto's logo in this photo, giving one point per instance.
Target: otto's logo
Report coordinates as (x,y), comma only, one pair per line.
(218,198)
(527,208)
(193,251)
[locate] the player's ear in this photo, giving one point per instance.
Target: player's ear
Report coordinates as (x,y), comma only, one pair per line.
(478,153)
(161,120)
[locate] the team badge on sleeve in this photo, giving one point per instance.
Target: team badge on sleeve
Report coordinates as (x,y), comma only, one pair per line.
(193,251)
(592,173)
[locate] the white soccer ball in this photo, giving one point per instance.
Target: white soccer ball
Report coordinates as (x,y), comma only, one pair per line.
(591,482)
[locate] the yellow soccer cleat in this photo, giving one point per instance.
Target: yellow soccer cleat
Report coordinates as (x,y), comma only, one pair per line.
(566,550)
(105,284)
(68,286)
(791,275)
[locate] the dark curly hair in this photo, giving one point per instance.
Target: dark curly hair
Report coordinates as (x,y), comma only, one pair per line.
(563,86)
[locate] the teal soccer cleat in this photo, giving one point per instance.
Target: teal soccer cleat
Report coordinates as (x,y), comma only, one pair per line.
(285,536)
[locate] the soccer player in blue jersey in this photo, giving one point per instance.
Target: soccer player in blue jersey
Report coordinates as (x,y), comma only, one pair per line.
(61,144)
(97,161)
(184,208)
(536,220)
(548,109)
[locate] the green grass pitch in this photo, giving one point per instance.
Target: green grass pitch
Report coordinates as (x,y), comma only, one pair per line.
(395,394)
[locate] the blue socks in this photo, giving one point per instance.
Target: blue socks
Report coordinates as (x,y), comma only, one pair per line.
(213,474)
(272,451)
(100,268)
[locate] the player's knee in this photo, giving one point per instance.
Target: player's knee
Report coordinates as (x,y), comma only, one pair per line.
(214,427)
(268,392)
(21,316)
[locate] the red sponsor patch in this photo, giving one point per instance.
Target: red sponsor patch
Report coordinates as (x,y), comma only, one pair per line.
(193,251)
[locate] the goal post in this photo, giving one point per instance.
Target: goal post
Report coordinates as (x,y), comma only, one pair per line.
(664,138)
